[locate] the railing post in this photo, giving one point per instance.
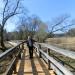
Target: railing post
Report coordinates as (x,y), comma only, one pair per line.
(14,68)
(19,46)
(48,52)
(19,55)
(39,51)
(36,49)
(22,46)
(40,54)
(15,65)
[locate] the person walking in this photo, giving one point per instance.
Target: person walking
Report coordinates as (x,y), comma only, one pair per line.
(30,43)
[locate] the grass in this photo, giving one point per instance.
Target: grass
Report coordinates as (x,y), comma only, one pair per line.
(64,42)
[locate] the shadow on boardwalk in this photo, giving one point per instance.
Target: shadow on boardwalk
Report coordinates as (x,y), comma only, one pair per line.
(33,66)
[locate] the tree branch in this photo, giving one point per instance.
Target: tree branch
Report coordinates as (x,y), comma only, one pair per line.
(5,18)
(60,22)
(5,8)
(17,6)
(63,28)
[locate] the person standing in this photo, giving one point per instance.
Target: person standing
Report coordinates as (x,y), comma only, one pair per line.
(30,43)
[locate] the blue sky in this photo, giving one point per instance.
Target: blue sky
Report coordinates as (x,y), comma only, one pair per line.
(47,9)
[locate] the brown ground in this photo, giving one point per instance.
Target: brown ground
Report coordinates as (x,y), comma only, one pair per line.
(63,42)
(7,45)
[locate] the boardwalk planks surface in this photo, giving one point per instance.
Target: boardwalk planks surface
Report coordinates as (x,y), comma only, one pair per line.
(35,66)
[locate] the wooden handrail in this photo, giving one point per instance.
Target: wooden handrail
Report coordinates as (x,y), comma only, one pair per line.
(58,65)
(10,52)
(50,60)
(11,49)
(13,61)
(65,52)
(63,69)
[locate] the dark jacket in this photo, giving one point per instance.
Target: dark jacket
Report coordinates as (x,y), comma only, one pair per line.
(30,41)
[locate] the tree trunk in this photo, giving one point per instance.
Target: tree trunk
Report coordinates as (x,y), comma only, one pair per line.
(2,39)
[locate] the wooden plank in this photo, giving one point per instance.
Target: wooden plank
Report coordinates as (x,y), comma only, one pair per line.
(34,66)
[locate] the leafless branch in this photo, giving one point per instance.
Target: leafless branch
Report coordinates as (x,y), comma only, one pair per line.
(13,12)
(60,29)
(16,6)
(5,8)
(7,17)
(63,18)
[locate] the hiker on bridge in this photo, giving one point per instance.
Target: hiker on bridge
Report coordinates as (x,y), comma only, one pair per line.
(30,43)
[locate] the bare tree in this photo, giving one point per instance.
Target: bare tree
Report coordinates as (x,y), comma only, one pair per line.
(10,9)
(71,32)
(41,33)
(28,26)
(61,23)
(32,26)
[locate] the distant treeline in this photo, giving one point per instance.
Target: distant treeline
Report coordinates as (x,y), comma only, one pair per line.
(22,35)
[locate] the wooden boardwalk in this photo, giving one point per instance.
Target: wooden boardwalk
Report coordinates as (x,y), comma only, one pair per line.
(35,66)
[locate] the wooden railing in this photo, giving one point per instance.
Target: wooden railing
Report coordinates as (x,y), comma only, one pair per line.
(44,51)
(9,58)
